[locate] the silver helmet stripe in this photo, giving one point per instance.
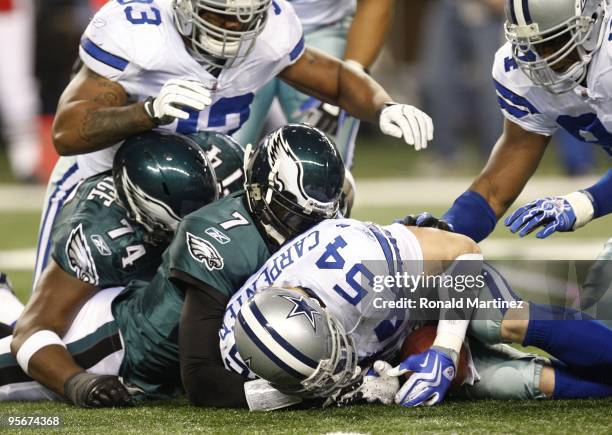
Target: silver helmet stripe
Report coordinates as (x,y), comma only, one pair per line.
(274,347)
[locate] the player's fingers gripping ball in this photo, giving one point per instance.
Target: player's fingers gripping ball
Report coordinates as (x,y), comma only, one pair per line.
(428,372)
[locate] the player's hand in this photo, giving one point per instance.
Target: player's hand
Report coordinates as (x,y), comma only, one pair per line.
(553,213)
(97,391)
(426,220)
(433,372)
(321,115)
(402,120)
(376,387)
(176,98)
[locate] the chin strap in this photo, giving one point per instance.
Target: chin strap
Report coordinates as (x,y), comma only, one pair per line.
(274,234)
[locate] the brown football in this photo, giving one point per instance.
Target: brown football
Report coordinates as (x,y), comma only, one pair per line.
(420,340)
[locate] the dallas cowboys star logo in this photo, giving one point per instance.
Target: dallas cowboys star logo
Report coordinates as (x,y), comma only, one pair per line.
(301,308)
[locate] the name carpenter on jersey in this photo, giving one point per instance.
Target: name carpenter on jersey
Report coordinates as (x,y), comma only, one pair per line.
(267,276)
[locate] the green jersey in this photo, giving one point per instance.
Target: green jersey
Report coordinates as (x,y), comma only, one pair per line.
(95,241)
(217,245)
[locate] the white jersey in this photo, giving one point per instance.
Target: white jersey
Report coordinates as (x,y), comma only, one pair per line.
(137,45)
(320,13)
(338,260)
(585,113)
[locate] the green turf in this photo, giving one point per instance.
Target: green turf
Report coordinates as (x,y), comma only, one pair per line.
(22,283)
(587,416)
(18,230)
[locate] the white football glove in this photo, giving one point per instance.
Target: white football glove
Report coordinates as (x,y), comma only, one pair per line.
(376,387)
(402,120)
(176,97)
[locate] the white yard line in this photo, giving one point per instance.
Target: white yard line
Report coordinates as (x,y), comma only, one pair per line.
(370,192)
(23,259)
(21,198)
(435,192)
(376,193)
(18,259)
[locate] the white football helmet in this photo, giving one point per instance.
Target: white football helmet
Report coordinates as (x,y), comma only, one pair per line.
(545,32)
(212,44)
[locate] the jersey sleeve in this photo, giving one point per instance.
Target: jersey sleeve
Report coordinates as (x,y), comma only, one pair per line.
(71,251)
(97,244)
(123,39)
(200,253)
(283,35)
(513,88)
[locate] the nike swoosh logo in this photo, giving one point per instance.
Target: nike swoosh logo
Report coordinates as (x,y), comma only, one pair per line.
(424,364)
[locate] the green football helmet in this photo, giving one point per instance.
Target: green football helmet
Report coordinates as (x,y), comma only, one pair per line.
(160,177)
(294,180)
(226,157)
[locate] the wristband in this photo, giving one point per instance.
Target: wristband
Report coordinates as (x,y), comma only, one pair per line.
(148,108)
(601,195)
(472,216)
(582,206)
(448,351)
(34,343)
(384,106)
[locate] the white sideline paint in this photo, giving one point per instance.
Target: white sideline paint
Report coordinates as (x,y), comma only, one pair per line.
(14,198)
(434,192)
(370,192)
(377,193)
(18,259)
(23,259)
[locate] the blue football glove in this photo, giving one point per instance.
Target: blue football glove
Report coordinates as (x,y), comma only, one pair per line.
(553,213)
(434,370)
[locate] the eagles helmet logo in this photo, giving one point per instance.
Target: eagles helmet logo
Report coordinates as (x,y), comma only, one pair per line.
(79,257)
(204,252)
(287,171)
(150,206)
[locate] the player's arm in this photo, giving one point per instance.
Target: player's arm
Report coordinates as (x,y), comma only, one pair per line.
(331,80)
(435,368)
(336,82)
(205,379)
(94,113)
(367,33)
(513,161)
(42,354)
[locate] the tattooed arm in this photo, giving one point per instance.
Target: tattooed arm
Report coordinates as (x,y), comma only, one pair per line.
(329,79)
(93,114)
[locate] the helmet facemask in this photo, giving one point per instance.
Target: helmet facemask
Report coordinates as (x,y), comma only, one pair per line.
(213,44)
(541,53)
(334,373)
